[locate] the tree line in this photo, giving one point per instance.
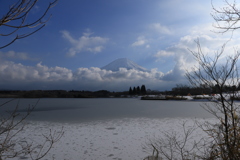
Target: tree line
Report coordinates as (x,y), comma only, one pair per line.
(201,89)
(137,90)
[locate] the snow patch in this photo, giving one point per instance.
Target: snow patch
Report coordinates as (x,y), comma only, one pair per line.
(123,63)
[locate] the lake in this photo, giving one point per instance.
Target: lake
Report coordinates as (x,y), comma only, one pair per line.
(82,110)
(105,129)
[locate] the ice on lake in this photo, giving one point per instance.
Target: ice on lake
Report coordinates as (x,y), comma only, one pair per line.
(120,139)
(108,129)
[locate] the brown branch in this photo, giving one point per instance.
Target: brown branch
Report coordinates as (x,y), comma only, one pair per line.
(17,16)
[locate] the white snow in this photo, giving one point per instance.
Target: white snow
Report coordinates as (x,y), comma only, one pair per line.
(123,63)
(120,139)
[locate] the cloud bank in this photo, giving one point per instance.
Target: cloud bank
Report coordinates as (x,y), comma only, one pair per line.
(18,76)
(180,52)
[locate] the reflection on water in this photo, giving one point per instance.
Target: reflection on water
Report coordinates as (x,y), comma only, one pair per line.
(81,110)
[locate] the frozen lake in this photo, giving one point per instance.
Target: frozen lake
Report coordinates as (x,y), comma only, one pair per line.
(106,129)
(82,110)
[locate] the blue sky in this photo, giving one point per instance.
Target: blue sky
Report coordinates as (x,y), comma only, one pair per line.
(84,35)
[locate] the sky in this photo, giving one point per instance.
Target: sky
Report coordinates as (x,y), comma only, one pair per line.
(84,35)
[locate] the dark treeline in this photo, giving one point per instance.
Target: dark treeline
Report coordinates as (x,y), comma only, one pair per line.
(137,90)
(180,90)
(59,94)
(202,89)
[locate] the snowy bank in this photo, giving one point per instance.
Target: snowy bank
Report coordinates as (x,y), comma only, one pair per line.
(120,139)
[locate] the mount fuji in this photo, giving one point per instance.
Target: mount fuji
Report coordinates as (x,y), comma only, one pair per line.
(123,63)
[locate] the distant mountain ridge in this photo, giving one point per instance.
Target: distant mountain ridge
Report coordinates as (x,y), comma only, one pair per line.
(123,63)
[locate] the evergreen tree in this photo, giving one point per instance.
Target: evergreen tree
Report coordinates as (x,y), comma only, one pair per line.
(138,90)
(130,91)
(134,91)
(143,89)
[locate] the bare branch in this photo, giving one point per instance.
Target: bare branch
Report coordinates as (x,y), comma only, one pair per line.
(12,145)
(17,16)
(227,17)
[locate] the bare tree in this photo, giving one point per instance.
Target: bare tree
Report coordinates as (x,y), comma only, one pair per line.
(174,145)
(213,72)
(226,17)
(16,19)
(12,145)
(223,135)
(14,23)
(218,71)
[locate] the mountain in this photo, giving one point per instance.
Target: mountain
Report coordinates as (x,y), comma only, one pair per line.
(123,63)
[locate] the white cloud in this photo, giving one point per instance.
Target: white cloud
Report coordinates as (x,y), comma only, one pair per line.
(13,72)
(44,77)
(140,41)
(84,43)
(15,55)
(53,73)
(96,49)
(163,53)
(180,52)
(123,74)
(94,78)
(160,28)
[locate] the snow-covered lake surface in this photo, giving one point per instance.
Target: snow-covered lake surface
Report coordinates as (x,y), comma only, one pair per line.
(106,129)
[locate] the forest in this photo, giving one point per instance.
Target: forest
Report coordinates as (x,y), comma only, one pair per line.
(178,90)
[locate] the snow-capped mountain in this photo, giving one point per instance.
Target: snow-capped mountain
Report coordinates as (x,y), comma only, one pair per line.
(123,63)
